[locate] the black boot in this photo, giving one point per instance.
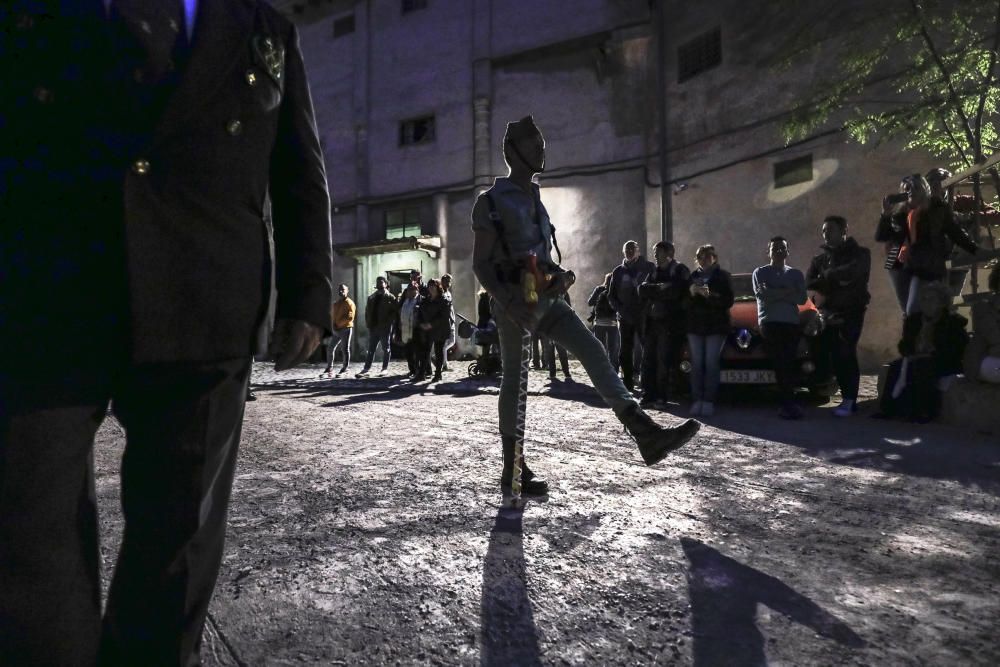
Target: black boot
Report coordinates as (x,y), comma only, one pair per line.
(529,485)
(656,441)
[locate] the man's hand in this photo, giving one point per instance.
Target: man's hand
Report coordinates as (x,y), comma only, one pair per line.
(294,341)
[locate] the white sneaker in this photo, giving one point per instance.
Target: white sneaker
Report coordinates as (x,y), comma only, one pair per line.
(707,409)
(845,409)
(696,408)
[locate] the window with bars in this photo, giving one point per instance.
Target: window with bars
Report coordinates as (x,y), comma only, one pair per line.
(413,5)
(699,55)
(794,171)
(401,223)
(343,26)
(416,131)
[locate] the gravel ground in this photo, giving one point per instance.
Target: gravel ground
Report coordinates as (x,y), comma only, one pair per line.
(366,528)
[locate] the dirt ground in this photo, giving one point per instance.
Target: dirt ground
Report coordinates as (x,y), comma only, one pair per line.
(366,529)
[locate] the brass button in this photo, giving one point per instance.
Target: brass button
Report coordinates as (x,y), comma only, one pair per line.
(141,167)
(234,127)
(251,77)
(44,95)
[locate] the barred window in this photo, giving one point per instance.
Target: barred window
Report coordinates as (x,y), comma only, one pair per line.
(699,55)
(402,223)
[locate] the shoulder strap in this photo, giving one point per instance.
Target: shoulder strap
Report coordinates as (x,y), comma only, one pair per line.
(497,221)
(555,244)
(552,228)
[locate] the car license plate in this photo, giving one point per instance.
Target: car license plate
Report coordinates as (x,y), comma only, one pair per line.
(730,376)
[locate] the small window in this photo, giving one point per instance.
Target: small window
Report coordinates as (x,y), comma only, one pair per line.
(343,26)
(416,131)
(793,172)
(402,223)
(699,55)
(413,5)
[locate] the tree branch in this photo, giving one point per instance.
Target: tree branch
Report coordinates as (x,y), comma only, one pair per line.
(988,81)
(954,140)
(945,74)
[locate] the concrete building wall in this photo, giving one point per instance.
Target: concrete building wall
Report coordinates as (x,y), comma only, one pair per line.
(725,138)
(588,74)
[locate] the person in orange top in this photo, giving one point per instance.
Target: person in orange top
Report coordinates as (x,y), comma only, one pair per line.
(917,228)
(342,317)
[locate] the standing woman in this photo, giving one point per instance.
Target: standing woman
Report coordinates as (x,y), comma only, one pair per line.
(434,320)
(406,326)
(916,233)
(606,320)
(708,326)
(446,280)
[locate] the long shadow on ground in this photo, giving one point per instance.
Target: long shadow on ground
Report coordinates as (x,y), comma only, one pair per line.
(724,598)
(508,632)
(931,450)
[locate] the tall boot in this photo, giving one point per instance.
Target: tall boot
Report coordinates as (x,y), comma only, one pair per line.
(529,485)
(656,441)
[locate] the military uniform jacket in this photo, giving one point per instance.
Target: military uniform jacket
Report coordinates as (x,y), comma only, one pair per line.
(163,235)
(524,233)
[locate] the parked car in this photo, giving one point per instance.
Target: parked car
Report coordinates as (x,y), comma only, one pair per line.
(743,358)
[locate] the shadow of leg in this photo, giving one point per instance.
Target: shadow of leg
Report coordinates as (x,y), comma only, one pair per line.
(724,598)
(507,627)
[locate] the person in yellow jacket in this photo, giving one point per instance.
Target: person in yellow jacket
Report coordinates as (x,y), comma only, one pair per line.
(342,317)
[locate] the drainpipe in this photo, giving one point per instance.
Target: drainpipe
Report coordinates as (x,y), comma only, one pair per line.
(666,202)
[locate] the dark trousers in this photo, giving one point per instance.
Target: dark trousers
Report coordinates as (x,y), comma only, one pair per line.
(661,348)
(838,348)
(183,426)
(551,350)
(536,352)
(629,333)
(431,350)
(412,351)
(378,337)
(781,342)
(921,398)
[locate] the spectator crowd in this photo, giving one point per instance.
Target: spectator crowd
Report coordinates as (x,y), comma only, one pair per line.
(664,326)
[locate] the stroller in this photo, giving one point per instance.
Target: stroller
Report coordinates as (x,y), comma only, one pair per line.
(488,364)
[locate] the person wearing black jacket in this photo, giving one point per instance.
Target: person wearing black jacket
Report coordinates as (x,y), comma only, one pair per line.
(917,233)
(605,320)
(838,277)
(932,348)
(380,318)
(707,327)
(623,295)
(434,320)
(161,181)
(663,296)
